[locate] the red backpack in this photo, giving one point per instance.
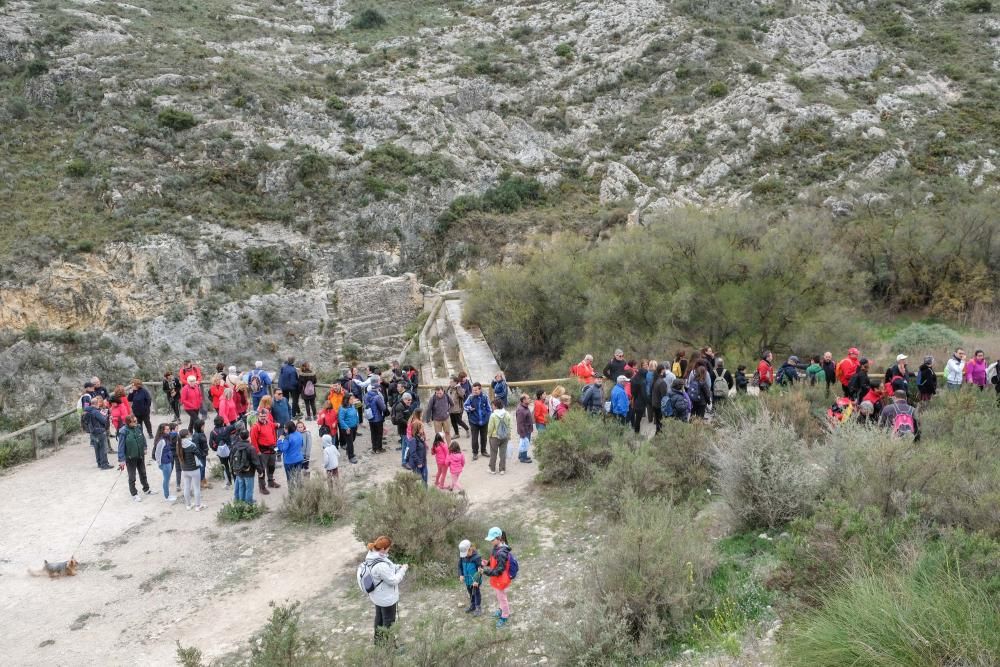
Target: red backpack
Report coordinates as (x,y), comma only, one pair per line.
(903,423)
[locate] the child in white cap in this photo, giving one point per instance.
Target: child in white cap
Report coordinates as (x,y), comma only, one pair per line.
(470,573)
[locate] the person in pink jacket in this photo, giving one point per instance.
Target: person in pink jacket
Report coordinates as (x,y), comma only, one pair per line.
(975,370)
(191,400)
(227,407)
(440,451)
(456,463)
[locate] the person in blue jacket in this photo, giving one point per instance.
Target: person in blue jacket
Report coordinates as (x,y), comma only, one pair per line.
(477,406)
(500,389)
(288,381)
(376,422)
(280,409)
(619,400)
(290,445)
(347,423)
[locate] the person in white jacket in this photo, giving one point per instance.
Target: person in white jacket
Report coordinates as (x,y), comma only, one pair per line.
(386,575)
(954,370)
(331,459)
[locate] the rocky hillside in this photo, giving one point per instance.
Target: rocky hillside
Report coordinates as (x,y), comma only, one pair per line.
(164,160)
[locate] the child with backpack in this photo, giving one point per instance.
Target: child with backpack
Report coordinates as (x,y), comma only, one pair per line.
(440,451)
(502,569)
(456,463)
(470,573)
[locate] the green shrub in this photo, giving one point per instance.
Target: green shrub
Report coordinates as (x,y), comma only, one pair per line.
(978,6)
(717,89)
(17,108)
(433,640)
(315,501)
(237,510)
(368,19)
(334,103)
(918,338)
(282,643)
(78,167)
(920,617)
(673,465)
(312,167)
(762,473)
(648,580)
(424,524)
(14,452)
(175,119)
(217,471)
(36,67)
(564,50)
(570,449)
(753,68)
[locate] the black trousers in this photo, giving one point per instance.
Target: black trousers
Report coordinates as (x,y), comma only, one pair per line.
(175,407)
(193,416)
(293,397)
(347,441)
(224,460)
(638,412)
(267,460)
(377,429)
(478,434)
(456,421)
(144,421)
(384,618)
(475,597)
(310,402)
(133,466)
(658,419)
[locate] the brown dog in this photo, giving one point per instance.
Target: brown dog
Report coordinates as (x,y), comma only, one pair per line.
(67,568)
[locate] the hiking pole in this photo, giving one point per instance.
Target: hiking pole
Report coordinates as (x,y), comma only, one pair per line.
(87,532)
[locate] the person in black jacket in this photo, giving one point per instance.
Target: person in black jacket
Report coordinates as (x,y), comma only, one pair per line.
(172,390)
(142,404)
(615,367)
(660,389)
(639,397)
(830,370)
(926,379)
(592,397)
(201,442)
(860,383)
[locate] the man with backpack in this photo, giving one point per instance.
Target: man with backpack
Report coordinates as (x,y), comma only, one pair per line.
(259,383)
(96,418)
(721,384)
(288,382)
(498,430)
(132,454)
(901,417)
(246,465)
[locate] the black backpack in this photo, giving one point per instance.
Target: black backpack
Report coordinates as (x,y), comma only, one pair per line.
(240,460)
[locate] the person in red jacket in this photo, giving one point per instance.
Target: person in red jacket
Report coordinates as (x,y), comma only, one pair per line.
(846,369)
(216,390)
(584,371)
(264,438)
(765,371)
(191,400)
(189,369)
(497,568)
(541,410)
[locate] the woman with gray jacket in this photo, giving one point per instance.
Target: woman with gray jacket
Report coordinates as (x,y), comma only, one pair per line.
(386,577)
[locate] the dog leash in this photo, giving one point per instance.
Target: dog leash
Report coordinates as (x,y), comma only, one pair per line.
(98,512)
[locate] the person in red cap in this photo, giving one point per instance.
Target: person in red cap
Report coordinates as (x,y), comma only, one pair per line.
(846,369)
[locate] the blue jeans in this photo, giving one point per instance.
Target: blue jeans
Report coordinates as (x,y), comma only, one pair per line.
(953,387)
(255,401)
(406,446)
(202,463)
(423,473)
(99,441)
(244,488)
(293,474)
(165,470)
(539,427)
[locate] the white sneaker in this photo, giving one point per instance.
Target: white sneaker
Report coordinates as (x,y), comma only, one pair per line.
(171,499)
(199,508)
(148,492)
(136,499)
(503,472)
(189,506)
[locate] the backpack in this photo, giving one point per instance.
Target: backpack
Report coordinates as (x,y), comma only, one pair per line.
(84,422)
(512,566)
(309,389)
(755,380)
(366,582)
(903,423)
(785,376)
(256,384)
(993,373)
(503,428)
(666,406)
(720,389)
(695,391)
(240,460)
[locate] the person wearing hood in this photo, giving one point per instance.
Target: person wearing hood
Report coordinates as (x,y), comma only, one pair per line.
(619,400)
(846,369)
(386,576)
(680,404)
(187,455)
(498,431)
(331,458)
(926,379)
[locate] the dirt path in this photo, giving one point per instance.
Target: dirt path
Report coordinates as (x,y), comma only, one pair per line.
(153,573)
